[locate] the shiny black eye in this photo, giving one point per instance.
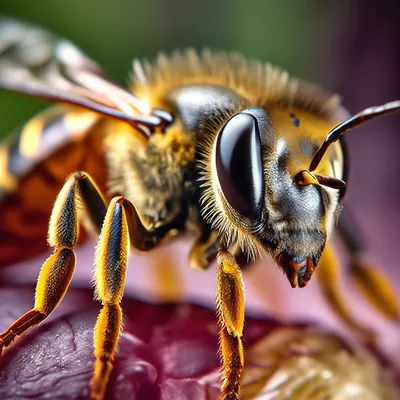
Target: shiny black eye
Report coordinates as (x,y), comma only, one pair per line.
(239,165)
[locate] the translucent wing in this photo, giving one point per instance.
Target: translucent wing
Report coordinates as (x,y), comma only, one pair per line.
(36,62)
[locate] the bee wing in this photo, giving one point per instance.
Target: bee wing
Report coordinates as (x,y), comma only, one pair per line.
(33,61)
(35,161)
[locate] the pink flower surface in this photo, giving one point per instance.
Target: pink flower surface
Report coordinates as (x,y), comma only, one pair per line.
(166,351)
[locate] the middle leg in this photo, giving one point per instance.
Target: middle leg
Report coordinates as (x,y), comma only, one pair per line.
(122,227)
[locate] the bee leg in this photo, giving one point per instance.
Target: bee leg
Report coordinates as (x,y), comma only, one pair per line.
(204,250)
(110,272)
(122,226)
(327,273)
(53,282)
(111,256)
(57,270)
(230,311)
(372,283)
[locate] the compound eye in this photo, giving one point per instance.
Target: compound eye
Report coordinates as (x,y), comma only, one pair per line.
(239,164)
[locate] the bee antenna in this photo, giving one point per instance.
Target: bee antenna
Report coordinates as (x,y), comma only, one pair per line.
(351,123)
(305,178)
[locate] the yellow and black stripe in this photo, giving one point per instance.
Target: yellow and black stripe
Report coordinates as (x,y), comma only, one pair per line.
(42,136)
(34,163)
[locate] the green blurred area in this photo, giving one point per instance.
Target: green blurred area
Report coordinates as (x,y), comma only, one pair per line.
(285,33)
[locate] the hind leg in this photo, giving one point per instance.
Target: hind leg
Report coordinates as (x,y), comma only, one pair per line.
(57,270)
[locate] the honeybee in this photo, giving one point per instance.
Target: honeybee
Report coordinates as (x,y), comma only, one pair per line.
(237,152)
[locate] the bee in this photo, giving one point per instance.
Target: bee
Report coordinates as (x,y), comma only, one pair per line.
(235,151)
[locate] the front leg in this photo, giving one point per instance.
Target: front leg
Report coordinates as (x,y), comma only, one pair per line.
(230,308)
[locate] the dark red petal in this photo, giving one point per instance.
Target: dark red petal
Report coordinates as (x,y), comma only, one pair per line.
(167,352)
(163,349)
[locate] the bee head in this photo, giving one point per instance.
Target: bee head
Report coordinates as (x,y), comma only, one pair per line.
(255,201)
